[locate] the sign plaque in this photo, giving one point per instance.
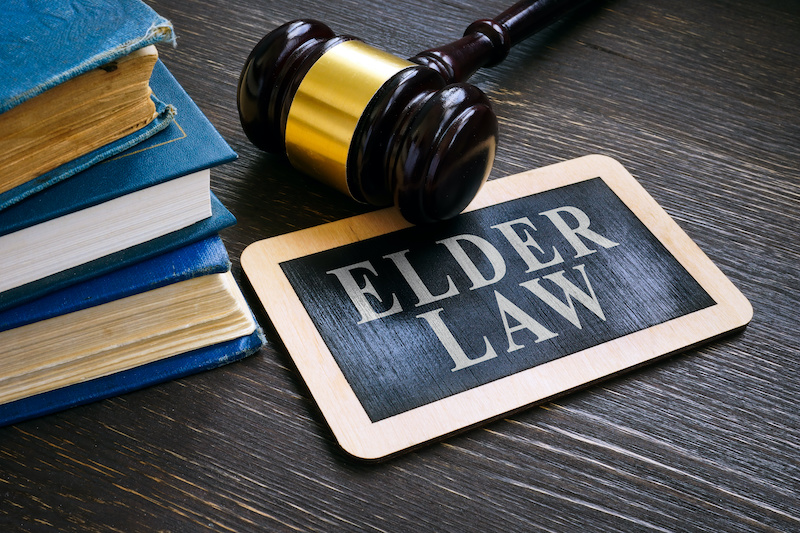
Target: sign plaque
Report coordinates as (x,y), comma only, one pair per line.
(552,279)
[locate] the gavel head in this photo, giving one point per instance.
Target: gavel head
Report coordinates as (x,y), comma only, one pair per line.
(381,129)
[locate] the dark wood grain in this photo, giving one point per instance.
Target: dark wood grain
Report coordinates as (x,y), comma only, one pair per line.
(698,100)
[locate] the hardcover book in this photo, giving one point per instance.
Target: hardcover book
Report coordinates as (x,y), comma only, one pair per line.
(166,317)
(151,190)
(74,89)
(220,219)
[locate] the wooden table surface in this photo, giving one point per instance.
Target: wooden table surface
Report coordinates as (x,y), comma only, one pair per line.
(698,99)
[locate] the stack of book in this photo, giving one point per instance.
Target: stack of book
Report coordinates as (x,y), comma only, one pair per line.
(114,275)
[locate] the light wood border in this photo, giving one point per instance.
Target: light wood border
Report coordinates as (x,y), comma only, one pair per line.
(343,412)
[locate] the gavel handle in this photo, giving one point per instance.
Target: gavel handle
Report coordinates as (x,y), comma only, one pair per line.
(486,42)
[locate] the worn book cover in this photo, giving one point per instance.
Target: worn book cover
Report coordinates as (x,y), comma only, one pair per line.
(203,258)
(188,145)
(45,43)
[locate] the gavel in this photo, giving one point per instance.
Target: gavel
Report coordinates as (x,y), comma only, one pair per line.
(381,129)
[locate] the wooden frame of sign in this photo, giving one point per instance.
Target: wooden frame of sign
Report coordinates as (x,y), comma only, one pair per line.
(552,279)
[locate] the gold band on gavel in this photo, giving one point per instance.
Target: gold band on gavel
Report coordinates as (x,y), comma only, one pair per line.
(329,101)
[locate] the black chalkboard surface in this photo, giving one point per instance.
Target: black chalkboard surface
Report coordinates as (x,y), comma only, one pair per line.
(551,279)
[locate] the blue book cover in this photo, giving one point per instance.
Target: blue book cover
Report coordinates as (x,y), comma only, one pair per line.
(47,42)
(204,257)
(175,367)
(220,219)
(188,144)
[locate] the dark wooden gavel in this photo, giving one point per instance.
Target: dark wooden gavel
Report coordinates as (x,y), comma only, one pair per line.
(381,129)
